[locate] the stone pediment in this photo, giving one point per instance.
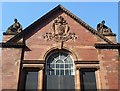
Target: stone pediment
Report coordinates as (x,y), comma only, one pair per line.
(27,31)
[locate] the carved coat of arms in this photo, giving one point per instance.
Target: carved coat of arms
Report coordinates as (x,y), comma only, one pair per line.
(60,26)
(60,30)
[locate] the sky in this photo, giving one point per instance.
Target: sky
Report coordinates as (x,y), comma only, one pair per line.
(90,12)
(119,21)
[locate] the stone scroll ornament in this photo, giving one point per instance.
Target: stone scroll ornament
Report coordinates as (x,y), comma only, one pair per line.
(60,32)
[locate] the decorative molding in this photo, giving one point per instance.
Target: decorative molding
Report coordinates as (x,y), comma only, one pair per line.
(60,31)
(88,66)
(12,45)
(33,66)
(107,46)
(33,62)
(86,62)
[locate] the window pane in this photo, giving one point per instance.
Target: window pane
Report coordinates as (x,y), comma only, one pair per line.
(71,71)
(66,65)
(71,66)
(61,66)
(64,54)
(31,79)
(48,71)
(55,55)
(88,79)
(52,72)
(61,72)
(69,60)
(66,72)
(52,66)
(60,61)
(48,66)
(57,65)
(57,72)
(50,59)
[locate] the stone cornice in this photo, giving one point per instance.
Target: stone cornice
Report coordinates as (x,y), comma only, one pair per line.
(86,62)
(12,45)
(33,62)
(107,46)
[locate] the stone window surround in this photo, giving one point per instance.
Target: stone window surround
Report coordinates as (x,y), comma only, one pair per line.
(40,72)
(77,73)
(90,66)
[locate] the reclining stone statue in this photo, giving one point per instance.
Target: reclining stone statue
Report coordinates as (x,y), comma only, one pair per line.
(14,28)
(103,29)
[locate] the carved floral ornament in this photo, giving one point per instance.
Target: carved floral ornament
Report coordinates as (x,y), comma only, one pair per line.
(60,31)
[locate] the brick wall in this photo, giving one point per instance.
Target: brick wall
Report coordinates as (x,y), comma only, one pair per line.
(109,68)
(82,49)
(10,67)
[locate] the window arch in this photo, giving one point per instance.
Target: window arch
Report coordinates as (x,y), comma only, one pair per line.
(59,63)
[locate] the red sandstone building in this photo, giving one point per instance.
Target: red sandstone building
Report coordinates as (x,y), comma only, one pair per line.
(59,51)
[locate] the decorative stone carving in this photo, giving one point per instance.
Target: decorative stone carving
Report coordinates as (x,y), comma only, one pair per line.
(15,28)
(60,32)
(60,26)
(103,29)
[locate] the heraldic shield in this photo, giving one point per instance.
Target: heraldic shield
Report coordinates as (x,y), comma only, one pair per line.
(60,32)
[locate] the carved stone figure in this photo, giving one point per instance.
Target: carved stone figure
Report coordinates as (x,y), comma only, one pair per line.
(103,29)
(15,28)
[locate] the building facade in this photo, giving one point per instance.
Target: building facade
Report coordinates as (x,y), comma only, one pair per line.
(59,51)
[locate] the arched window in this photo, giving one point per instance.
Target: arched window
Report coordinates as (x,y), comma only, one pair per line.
(59,63)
